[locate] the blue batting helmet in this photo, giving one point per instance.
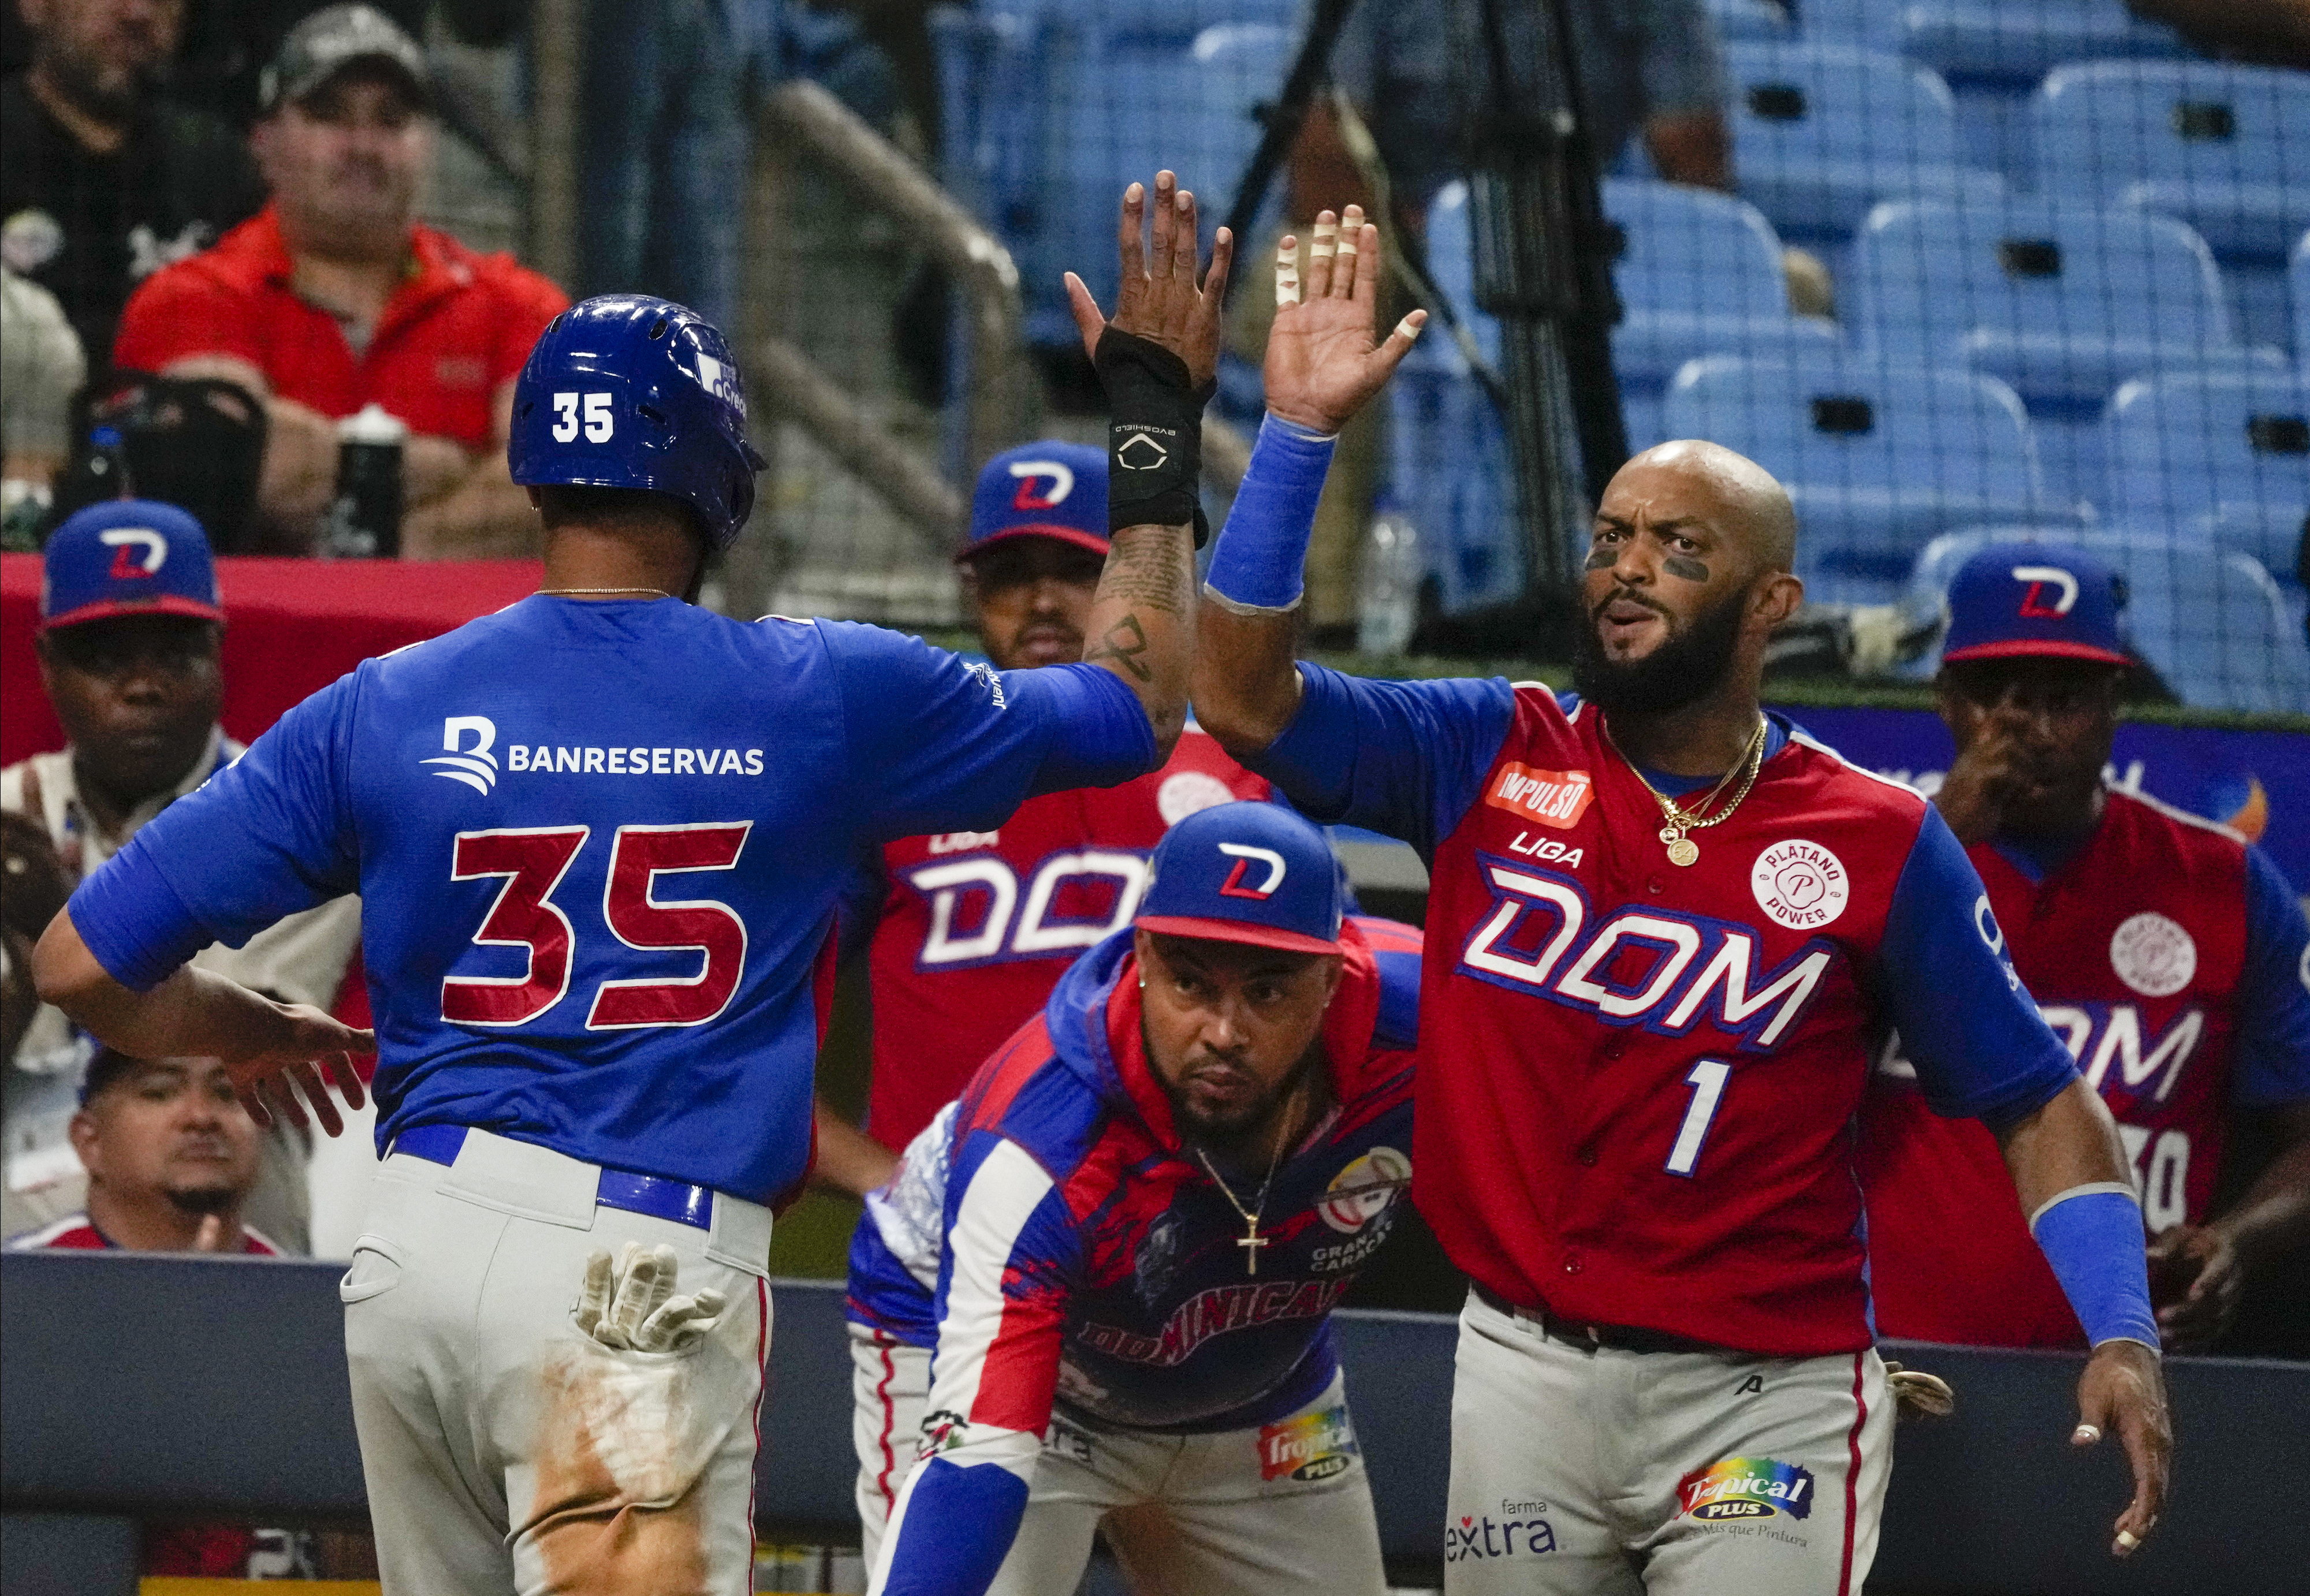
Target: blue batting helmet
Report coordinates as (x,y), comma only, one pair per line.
(625,391)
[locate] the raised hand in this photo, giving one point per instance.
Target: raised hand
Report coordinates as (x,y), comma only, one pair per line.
(1322,361)
(1160,301)
(2123,1388)
(306,1043)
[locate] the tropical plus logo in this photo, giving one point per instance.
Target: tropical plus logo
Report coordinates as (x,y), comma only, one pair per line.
(1747,1488)
(1312,1446)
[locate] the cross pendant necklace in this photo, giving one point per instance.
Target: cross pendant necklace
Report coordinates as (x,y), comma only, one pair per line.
(1251,1241)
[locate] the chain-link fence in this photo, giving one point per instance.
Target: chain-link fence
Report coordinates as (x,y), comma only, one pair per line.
(1953,272)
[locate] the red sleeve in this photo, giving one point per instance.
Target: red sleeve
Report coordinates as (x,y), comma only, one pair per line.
(531,301)
(180,311)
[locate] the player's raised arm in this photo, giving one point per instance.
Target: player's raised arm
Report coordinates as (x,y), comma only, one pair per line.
(1157,358)
(1322,366)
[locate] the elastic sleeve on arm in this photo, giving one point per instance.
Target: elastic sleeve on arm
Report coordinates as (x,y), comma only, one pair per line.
(1403,758)
(2273,1034)
(263,838)
(938,743)
(1980,1048)
(2092,1238)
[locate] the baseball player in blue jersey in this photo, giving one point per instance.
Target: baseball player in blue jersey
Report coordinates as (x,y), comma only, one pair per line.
(599,837)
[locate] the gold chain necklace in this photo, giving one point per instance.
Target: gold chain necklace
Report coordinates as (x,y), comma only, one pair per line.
(1679,819)
(585,592)
(1251,1241)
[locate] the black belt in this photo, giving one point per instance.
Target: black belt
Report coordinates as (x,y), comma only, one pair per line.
(1588,1338)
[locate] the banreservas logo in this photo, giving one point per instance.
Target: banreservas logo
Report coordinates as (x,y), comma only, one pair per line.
(1737,1487)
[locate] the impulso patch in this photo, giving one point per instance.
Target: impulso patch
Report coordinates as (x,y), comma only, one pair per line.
(1552,798)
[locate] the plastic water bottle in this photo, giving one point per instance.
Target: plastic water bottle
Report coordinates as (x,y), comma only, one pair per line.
(364,521)
(1387,601)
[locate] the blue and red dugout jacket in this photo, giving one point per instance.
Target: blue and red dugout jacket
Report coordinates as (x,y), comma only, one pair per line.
(1091,1264)
(1638,1080)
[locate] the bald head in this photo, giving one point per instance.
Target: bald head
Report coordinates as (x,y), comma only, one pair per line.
(1693,479)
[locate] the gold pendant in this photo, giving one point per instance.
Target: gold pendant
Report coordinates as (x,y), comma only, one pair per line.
(1683,851)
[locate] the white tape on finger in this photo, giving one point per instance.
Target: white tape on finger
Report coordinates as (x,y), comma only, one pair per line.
(1326,240)
(1410,328)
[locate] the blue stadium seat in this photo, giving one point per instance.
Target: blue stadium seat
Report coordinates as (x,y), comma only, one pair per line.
(1130,94)
(1751,19)
(1699,273)
(1822,132)
(2017,39)
(2226,148)
(2299,287)
(2214,625)
(2181,445)
(2271,533)
(1879,458)
(2062,301)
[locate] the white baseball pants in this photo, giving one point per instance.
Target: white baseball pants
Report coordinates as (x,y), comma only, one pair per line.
(1611,1473)
(504,1452)
(1221,1514)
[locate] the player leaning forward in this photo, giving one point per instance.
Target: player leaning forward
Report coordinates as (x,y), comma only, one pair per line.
(1137,1222)
(592,947)
(1664,931)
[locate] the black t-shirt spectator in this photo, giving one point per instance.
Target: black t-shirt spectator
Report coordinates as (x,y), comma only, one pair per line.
(90,228)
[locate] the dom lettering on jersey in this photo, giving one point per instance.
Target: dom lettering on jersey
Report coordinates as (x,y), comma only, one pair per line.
(1312,1446)
(1747,1488)
(1537,938)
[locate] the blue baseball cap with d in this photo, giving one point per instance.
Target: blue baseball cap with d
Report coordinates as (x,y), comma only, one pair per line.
(127,557)
(2015,600)
(1048,490)
(1245,873)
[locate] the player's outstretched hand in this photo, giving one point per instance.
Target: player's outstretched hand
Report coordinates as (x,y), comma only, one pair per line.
(1321,361)
(304,1044)
(1160,299)
(2196,1277)
(629,1306)
(2123,1387)
(1982,780)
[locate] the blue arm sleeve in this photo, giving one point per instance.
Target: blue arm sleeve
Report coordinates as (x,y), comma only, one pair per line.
(1981,1049)
(940,744)
(1403,758)
(2092,1238)
(267,837)
(2273,1032)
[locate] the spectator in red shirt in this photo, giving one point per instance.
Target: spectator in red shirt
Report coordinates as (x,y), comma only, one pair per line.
(332,298)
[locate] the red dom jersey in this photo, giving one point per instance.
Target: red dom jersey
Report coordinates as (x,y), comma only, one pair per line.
(2136,948)
(976,927)
(1637,1081)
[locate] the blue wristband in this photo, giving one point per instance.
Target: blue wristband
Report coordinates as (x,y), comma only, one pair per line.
(1263,550)
(2092,1236)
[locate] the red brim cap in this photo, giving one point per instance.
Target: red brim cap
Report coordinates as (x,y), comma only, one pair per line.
(1065,534)
(1233,931)
(166,605)
(2027,648)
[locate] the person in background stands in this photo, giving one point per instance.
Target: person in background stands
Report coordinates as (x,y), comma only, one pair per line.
(332,298)
(105,182)
(41,366)
(172,1158)
(130,640)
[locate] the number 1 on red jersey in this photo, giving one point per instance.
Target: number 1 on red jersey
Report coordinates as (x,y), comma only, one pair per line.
(1707,1083)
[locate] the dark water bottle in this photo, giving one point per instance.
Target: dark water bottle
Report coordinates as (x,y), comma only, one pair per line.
(364,519)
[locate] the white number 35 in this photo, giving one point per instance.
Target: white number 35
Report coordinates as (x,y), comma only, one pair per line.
(598,422)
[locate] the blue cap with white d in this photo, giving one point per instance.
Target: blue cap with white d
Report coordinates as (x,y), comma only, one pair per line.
(1050,490)
(1245,873)
(2016,600)
(127,557)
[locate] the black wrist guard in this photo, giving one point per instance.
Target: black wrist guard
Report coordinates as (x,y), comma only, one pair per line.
(1155,440)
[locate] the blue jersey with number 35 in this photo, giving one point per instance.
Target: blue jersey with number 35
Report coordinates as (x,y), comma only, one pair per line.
(599,848)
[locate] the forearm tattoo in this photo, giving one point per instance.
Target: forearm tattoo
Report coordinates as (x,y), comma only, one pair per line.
(1125,643)
(1152,569)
